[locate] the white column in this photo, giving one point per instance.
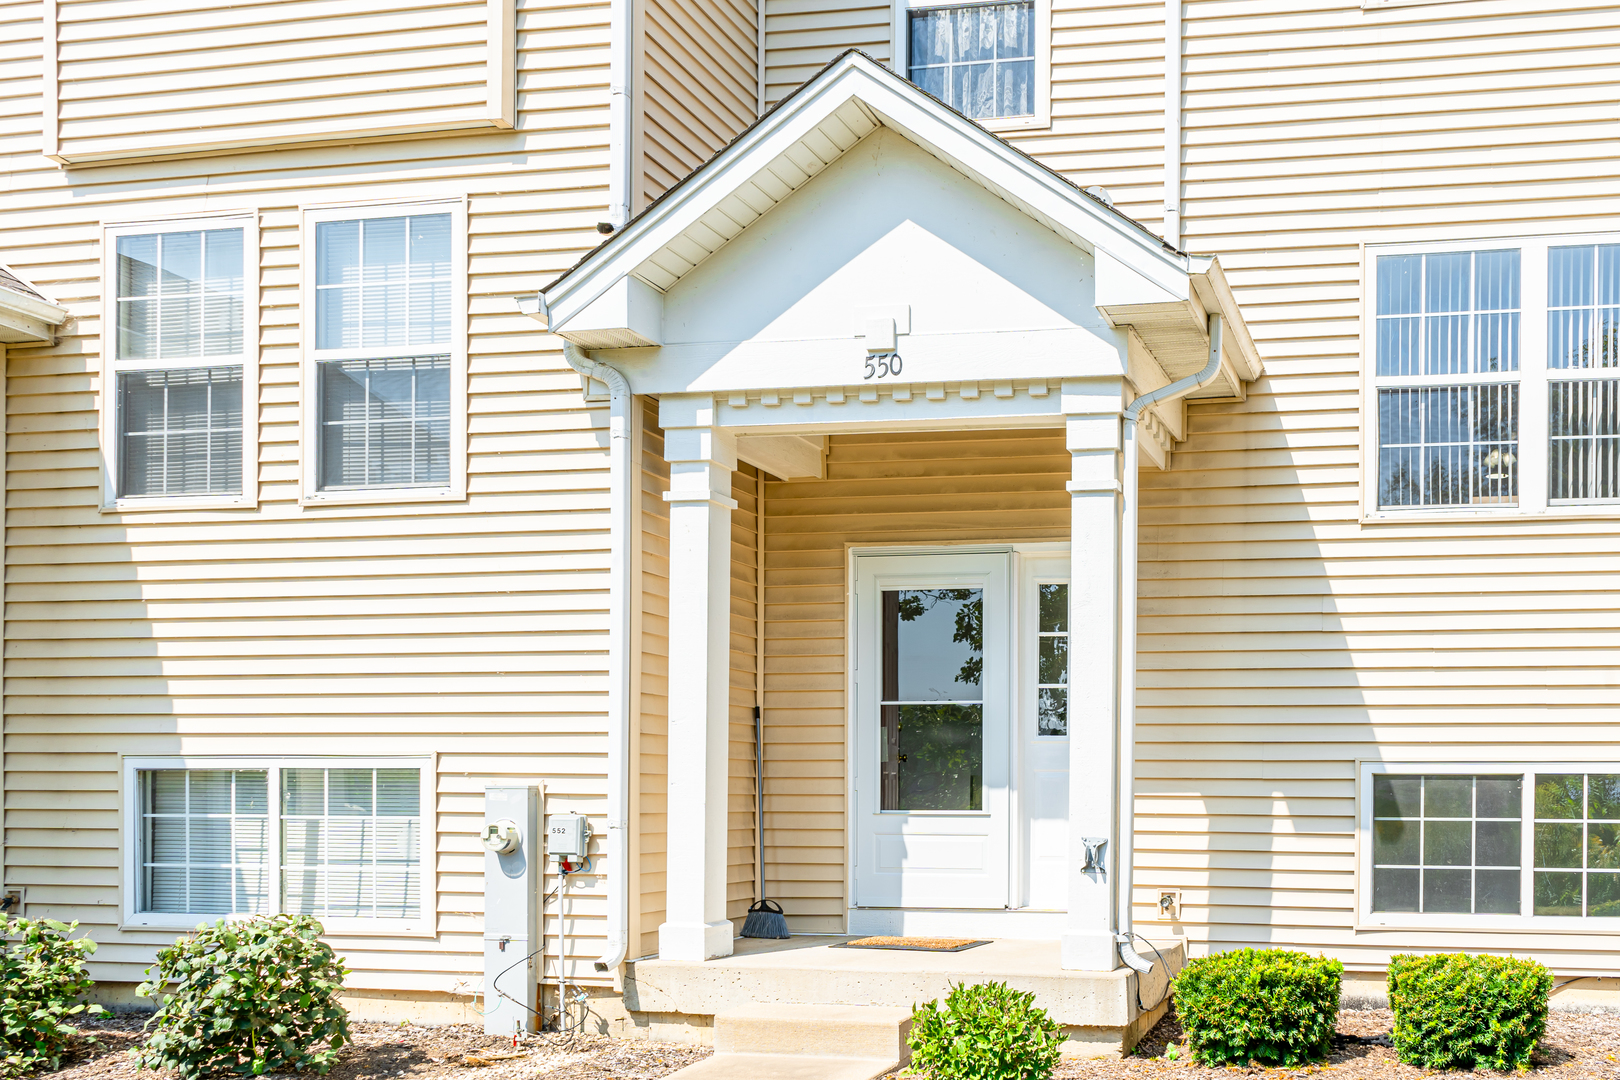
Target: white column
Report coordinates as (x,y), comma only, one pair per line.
(701,460)
(1092,409)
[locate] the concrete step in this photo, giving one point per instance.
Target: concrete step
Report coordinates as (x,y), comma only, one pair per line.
(784,1067)
(853,1031)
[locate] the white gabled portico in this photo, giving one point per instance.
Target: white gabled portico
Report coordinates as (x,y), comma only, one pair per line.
(865,259)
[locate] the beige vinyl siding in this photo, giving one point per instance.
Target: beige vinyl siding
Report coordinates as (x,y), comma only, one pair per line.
(475,631)
(901,488)
(802,36)
(698,84)
(1107,84)
(134,78)
(1282,639)
(650,782)
(745,484)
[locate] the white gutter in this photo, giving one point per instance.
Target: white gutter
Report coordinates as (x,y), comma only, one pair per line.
(1172,123)
(620,493)
(621,139)
(1126,855)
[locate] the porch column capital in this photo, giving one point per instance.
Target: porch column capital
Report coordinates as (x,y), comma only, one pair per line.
(701,460)
(1091,421)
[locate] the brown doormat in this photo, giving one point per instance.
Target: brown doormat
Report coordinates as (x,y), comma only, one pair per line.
(912,944)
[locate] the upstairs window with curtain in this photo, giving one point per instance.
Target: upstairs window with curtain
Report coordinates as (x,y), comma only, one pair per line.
(1447,378)
(977,58)
(179,343)
(384,296)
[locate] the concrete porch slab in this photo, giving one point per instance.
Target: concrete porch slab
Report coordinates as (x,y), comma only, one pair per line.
(784,1067)
(1097,1008)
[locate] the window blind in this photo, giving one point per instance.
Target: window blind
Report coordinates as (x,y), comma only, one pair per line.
(204,840)
(351,842)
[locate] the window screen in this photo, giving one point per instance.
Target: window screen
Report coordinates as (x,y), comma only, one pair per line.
(383,283)
(385,423)
(351,842)
(180,431)
(978,58)
(203,842)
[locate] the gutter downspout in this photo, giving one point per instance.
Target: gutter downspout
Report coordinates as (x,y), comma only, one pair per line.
(1172,123)
(618,760)
(620,492)
(621,140)
(1126,855)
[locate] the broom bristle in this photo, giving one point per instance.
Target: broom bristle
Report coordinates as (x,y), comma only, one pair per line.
(764,924)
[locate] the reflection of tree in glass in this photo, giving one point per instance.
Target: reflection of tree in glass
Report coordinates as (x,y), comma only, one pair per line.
(915,603)
(942,746)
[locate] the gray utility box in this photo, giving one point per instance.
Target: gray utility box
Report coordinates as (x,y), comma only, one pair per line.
(514,857)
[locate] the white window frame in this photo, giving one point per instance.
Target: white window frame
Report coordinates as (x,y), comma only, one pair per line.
(248,360)
(130,799)
(900,44)
(1367,919)
(1533,378)
(310,493)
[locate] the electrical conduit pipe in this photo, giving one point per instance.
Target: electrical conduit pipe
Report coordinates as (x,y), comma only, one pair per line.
(1126,855)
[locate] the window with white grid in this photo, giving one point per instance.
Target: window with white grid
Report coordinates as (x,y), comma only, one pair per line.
(352,840)
(386,300)
(1447,340)
(343,842)
(1491,846)
(204,841)
(182,335)
(1492,378)
(1583,362)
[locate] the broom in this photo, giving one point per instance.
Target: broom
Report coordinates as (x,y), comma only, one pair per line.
(765,918)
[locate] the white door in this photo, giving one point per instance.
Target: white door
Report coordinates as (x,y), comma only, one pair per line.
(932,703)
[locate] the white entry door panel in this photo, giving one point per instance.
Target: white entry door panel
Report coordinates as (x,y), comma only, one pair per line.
(932,708)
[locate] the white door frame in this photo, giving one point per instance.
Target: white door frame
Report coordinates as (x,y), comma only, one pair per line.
(1014,921)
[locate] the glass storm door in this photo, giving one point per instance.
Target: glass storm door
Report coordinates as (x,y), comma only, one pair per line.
(932,706)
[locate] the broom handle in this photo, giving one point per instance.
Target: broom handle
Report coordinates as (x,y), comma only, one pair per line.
(759,803)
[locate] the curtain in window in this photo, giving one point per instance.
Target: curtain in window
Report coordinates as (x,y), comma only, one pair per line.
(979,58)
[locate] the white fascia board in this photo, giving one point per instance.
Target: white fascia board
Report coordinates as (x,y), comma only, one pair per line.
(960,143)
(1210,286)
(628,315)
(25,319)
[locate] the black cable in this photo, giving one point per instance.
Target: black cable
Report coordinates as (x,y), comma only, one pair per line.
(1167,976)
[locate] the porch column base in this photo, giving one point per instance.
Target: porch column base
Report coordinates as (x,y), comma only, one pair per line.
(1089,951)
(694,942)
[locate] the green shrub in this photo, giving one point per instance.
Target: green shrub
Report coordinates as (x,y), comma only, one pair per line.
(1456,1011)
(987,1031)
(44,983)
(246,997)
(1272,1006)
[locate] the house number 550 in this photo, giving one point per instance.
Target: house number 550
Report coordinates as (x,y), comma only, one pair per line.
(882,365)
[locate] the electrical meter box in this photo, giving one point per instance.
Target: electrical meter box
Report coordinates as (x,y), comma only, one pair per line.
(568,835)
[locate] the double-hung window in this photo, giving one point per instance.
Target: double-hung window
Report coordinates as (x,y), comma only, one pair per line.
(989,61)
(385,328)
(1491,845)
(340,840)
(180,347)
(1493,377)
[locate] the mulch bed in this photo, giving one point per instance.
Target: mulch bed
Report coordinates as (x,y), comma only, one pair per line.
(1576,1046)
(451,1052)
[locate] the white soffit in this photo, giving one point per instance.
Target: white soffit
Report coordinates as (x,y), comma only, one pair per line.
(826,117)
